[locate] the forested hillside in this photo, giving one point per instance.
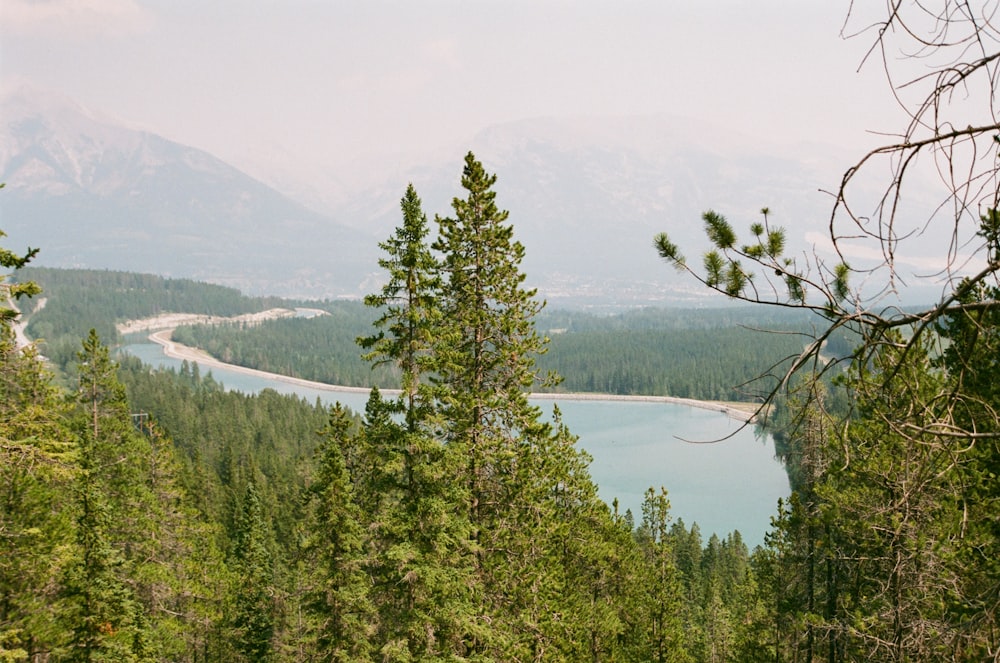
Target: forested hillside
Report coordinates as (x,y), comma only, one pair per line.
(152,516)
(711,354)
(78,300)
(700,354)
(208,548)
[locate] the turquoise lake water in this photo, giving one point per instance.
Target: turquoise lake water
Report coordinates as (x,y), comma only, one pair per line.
(732,484)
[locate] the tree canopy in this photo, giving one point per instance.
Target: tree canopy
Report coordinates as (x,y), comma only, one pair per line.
(881,549)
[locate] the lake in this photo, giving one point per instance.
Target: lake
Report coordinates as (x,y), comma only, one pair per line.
(732,484)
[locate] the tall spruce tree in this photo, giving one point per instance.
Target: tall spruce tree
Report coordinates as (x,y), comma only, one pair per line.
(663,590)
(341,601)
(487,343)
(37,469)
(483,365)
(421,560)
(409,307)
(113,515)
(35,523)
(526,484)
(253,612)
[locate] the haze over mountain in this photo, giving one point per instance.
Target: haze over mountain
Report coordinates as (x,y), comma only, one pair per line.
(93,193)
(585,195)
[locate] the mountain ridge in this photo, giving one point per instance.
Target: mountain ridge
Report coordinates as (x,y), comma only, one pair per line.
(94,194)
(586,196)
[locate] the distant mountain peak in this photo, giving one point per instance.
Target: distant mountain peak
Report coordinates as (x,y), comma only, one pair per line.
(93,193)
(586,195)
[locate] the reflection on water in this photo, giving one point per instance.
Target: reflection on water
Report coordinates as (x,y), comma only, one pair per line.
(731,484)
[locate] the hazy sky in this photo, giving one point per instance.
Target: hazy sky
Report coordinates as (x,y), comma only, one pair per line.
(324,84)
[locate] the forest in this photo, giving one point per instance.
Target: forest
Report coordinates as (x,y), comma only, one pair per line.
(709,354)
(153,516)
(620,355)
(74,301)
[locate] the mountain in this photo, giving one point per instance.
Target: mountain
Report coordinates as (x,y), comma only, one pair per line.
(93,193)
(585,195)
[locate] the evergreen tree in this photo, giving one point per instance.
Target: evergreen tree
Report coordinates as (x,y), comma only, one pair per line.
(484,356)
(104,616)
(420,557)
(9,292)
(527,489)
(346,618)
(183,581)
(37,470)
(483,364)
(663,601)
(901,506)
(253,611)
(421,553)
(408,302)
(112,515)
(972,359)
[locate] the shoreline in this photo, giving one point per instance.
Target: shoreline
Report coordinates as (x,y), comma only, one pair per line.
(176,350)
(20,323)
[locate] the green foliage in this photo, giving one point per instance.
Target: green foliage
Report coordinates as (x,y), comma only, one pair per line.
(253,613)
(796,293)
(719,232)
(725,273)
(78,300)
(690,353)
(37,473)
(664,600)
(16,290)
(340,599)
(112,510)
(713,364)
(483,365)
(989,230)
(321,348)
(668,250)
(164,518)
(776,243)
(408,301)
(714,265)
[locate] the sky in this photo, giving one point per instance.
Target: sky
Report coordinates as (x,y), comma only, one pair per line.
(327,88)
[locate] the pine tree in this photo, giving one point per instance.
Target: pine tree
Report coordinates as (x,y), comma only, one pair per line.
(579,574)
(37,472)
(972,360)
(525,482)
(662,608)
(183,580)
(10,292)
(895,495)
(341,603)
(253,612)
(408,302)
(421,557)
(484,357)
(114,515)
